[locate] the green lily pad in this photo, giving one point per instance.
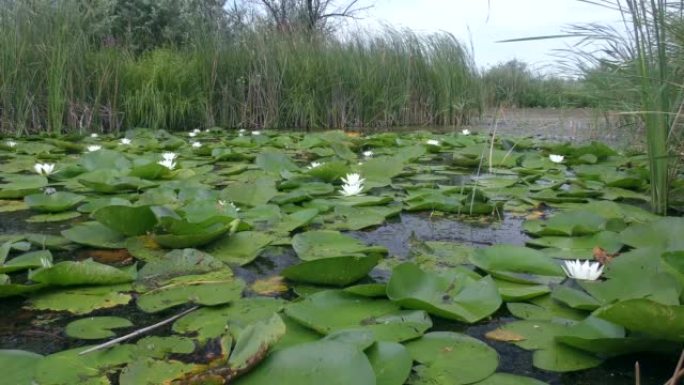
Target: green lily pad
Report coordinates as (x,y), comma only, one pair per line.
(306,364)
(30,260)
(19,366)
(329,311)
(648,317)
(391,363)
(211,322)
(82,300)
(664,234)
(540,336)
(240,248)
(68,367)
(88,272)
(95,234)
(53,203)
(206,289)
(53,217)
(127,220)
(19,186)
(334,271)
(254,341)
(147,371)
(94,328)
(571,223)
(451,295)
(254,193)
(509,379)
(448,358)
(518,264)
(319,244)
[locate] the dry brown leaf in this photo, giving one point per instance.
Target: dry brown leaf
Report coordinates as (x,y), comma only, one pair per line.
(269,286)
(504,336)
(603,256)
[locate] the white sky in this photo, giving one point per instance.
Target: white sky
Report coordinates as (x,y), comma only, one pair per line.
(484,22)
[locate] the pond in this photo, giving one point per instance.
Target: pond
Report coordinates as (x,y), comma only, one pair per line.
(441,261)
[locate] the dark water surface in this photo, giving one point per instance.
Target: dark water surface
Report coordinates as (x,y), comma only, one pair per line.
(43,332)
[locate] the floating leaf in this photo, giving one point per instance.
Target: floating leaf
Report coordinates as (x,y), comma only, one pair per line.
(127,220)
(331,310)
(308,363)
(448,358)
(82,300)
(452,296)
(89,272)
(94,328)
(53,203)
(240,248)
(207,289)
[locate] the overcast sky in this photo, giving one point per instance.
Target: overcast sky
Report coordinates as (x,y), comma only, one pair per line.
(486,22)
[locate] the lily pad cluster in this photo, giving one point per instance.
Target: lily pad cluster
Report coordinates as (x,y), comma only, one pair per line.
(166,224)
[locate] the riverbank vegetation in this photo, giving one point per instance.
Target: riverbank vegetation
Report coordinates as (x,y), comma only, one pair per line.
(76,66)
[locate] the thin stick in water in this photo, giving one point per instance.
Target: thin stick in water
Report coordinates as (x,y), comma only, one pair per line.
(138,332)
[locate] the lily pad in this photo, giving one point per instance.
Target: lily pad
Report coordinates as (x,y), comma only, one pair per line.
(95,234)
(391,363)
(448,358)
(82,300)
(334,271)
(19,366)
(240,248)
(518,264)
(331,310)
(53,203)
(127,220)
(206,289)
(452,296)
(306,364)
(88,272)
(94,328)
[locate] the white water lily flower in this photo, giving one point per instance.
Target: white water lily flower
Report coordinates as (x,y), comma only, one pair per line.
(168,163)
(197,130)
(353,185)
(465,132)
(223,203)
(11,143)
(125,141)
(94,147)
(196,144)
(354,178)
(44,168)
(432,142)
(368,154)
(45,262)
(556,158)
(314,165)
(586,270)
(351,189)
(192,134)
(256,133)
(169,156)
(93,135)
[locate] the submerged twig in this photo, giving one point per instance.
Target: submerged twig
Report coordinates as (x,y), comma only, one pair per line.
(138,332)
(679,372)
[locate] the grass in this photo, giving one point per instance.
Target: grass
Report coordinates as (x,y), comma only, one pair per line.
(57,75)
(63,70)
(640,77)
